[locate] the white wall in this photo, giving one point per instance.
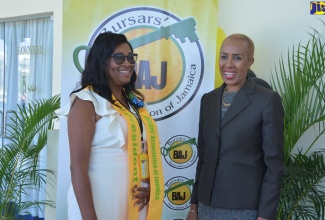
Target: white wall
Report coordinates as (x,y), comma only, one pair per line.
(52,164)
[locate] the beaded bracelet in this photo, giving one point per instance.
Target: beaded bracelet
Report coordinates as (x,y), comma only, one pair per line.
(192,210)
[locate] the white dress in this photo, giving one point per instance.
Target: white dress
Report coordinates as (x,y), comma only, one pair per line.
(108,165)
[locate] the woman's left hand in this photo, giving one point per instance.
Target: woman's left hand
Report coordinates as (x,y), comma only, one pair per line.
(141,195)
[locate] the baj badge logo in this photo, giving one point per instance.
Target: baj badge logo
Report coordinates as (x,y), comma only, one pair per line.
(178,193)
(180,151)
(317,8)
(170,65)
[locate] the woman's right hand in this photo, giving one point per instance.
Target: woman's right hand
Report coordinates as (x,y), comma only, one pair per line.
(141,195)
(193,212)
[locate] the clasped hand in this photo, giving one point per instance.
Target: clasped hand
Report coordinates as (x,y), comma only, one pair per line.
(141,195)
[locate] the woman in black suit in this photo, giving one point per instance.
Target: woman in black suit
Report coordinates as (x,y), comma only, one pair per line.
(240,143)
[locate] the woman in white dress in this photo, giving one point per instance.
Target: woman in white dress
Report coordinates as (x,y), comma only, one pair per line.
(108,128)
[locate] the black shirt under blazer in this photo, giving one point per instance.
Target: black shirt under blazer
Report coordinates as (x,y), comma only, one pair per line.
(241,157)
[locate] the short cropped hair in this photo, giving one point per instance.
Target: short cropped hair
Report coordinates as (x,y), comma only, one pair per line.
(246,39)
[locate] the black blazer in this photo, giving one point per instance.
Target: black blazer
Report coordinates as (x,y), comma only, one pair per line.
(241,157)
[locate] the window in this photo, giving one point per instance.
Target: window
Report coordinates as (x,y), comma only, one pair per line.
(26,55)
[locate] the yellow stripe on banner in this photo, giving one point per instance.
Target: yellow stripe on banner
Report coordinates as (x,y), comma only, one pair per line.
(217,77)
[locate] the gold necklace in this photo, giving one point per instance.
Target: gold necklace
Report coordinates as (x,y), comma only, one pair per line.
(223,102)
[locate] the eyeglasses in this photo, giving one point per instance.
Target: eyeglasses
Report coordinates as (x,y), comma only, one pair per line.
(120,58)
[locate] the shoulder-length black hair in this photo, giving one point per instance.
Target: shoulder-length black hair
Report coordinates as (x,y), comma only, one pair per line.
(95,75)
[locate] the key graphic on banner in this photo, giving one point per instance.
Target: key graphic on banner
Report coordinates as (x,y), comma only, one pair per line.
(181,30)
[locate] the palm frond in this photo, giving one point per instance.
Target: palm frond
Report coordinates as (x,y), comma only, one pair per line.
(299,79)
(303,188)
(300,83)
(19,160)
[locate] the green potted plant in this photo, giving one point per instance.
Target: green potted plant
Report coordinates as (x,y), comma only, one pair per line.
(299,79)
(19,159)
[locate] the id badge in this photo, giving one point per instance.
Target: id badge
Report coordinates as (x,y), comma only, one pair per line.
(144,167)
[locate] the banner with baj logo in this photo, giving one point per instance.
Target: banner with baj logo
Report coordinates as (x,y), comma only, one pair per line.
(176,46)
